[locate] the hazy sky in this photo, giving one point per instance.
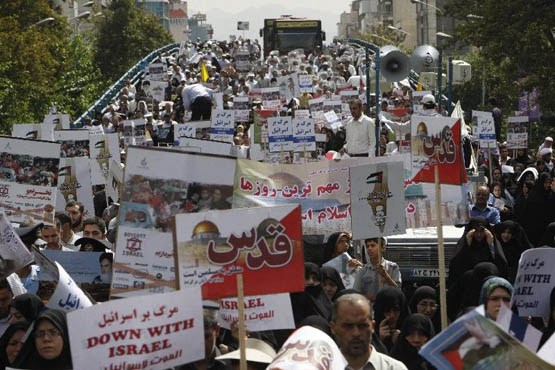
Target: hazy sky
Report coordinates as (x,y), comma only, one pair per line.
(224,14)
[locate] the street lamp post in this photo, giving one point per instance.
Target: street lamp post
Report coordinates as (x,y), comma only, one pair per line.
(427,4)
(43,21)
(397,29)
(77,20)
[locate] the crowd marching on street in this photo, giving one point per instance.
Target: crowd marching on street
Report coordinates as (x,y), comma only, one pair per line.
(369,322)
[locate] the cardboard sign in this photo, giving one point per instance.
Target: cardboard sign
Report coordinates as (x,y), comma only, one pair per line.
(212,248)
(138,332)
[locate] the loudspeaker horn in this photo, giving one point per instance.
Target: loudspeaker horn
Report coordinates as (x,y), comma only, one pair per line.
(424,58)
(394,64)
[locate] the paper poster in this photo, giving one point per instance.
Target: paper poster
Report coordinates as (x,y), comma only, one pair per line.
(103,150)
(13,254)
(58,120)
(74,143)
(115,180)
(74,184)
(28,179)
(476,342)
(341,264)
(377,200)
(241,108)
(484,128)
(305,83)
(223,125)
(534,282)
(191,144)
(138,332)
(304,135)
(517,132)
(263,312)
(437,140)
(212,248)
(260,125)
(152,194)
(34,131)
(67,296)
(280,134)
(196,129)
(271,98)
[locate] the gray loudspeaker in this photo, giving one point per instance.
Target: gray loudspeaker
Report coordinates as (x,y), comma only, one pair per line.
(394,64)
(424,58)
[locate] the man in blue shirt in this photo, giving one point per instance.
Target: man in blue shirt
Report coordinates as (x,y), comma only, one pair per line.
(481,207)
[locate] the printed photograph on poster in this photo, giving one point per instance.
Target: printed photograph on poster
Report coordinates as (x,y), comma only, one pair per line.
(58,120)
(517,132)
(212,248)
(34,131)
(13,254)
(197,129)
(74,143)
(151,195)
(377,200)
(28,179)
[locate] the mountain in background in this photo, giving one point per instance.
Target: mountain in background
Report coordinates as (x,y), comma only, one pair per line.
(224,23)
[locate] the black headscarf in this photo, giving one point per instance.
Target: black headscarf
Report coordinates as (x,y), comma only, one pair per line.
(549,330)
(313,300)
(514,247)
(406,353)
(29,305)
(5,339)
(329,273)
(387,298)
(29,358)
(426,292)
(329,248)
(548,238)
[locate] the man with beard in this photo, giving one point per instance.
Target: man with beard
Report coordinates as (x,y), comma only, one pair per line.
(76,210)
(352,326)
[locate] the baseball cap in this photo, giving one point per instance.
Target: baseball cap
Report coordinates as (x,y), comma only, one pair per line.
(428,99)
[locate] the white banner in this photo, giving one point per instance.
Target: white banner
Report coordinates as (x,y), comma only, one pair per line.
(263,312)
(139,332)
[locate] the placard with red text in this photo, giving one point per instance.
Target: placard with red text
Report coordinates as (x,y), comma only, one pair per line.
(139,332)
(263,244)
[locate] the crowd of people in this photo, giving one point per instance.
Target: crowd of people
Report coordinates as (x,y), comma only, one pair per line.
(374,323)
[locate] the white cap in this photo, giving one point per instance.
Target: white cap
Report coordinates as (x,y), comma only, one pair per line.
(256,351)
(428,99)
(549,138)
(546,151)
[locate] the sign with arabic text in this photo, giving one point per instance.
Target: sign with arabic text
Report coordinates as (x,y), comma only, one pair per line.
(280,134)
(74,184)
(28,179)
(139,332)
(263,312)
(304,135)
(223,125)
(437,141)
(212,248)
(151,196)
(377,200)
(534,282)
(103,150)
(484,129)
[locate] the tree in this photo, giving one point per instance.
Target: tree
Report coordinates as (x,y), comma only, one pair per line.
(126,34)
(40,65)
(516,39)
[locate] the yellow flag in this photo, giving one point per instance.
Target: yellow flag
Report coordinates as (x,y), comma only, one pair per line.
(203,71)
(419,87)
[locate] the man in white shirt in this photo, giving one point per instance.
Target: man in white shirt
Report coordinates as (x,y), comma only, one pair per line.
(360,133)
(197,98)
(353,326)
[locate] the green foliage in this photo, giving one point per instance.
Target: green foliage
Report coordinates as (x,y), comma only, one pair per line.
(40,65)
(125,35)
(516,48)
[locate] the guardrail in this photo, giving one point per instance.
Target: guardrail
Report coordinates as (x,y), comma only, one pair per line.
(132,74)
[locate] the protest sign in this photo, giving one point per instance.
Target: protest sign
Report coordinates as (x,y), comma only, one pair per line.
(377,200)
(280,134)
(263,312)
(212,248)
(103,150)
(241,108)
(484,129)
(271,98)
(223,125)
(437,141)
(115,180)
(34,131)
(139,332)
(305,83)
(74,184)
(66,294)
(341,264)
(58,120)
(196,129)
(152,194)
(517,132)
(157,71)
(304,136)
(13,254)
(321,188)
(519,328)
(28,179)
(534,281)
(74,143)
(261,117)
(476,342)
(289,86)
